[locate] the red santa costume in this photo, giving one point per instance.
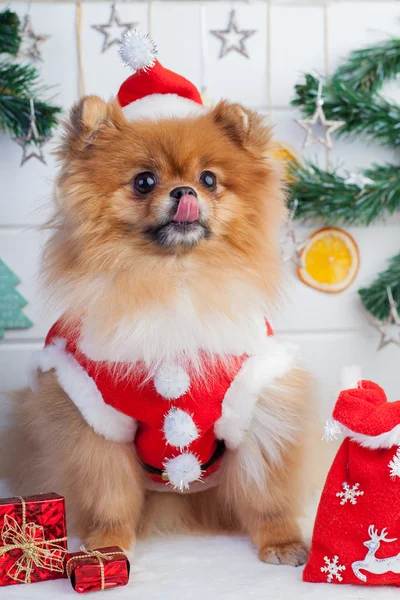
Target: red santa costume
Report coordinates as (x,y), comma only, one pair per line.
(356,535)
(180,422)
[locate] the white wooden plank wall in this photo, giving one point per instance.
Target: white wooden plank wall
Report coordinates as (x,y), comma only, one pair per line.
(292,37)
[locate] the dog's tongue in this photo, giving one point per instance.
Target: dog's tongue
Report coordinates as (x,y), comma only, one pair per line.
(188,209)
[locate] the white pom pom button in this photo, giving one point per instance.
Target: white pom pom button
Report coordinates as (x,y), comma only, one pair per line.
(171,381)
(182,470)
(179,428)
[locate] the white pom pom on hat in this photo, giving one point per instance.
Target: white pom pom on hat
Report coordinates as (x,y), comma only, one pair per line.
(138,51)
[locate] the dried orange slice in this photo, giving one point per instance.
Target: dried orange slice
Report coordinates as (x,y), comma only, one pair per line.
(285,153)
(329,261)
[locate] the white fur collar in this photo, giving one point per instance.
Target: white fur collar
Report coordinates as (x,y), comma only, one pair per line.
(161,334)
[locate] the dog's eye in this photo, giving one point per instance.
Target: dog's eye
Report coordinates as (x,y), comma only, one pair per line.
(144,183)
(209,180)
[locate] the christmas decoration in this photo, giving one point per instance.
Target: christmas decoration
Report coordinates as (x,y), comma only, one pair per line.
(33,539)
(291,248)
(318,118)
(114,30)
(19,84)
(327,196)
(329,260)
(233,38)
(333,569)
(351,94)
(25,141)
(30,41)
(394,464)
(361,532)
(350,493)
(11,302)
(375,297)
(100,569)
(389,329)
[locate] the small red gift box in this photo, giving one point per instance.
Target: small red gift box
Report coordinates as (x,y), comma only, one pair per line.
(33,539)
(100,569)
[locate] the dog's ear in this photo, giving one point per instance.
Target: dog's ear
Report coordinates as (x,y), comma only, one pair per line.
(87,119)
(245,127)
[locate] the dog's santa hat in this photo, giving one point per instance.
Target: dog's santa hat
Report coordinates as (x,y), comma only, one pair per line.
(153,91)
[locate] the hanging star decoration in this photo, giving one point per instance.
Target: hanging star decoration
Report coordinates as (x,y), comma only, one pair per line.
(319,119)
(30,41)
(359,180)
(232,38)
(114,30)
(291,247)
(389,329)
(30,150)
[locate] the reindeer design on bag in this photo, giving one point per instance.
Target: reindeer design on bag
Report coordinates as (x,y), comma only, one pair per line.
(378,566)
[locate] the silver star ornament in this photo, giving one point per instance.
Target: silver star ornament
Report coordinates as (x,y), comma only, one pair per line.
(232,38)
(114,30)
(389,329)
(30,41)
(319,118)
(30,150)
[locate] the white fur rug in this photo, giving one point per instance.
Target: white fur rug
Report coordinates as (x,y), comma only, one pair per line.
(201,568)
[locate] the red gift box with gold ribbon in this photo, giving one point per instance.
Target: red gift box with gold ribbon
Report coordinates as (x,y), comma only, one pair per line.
(100,569)
(33,539)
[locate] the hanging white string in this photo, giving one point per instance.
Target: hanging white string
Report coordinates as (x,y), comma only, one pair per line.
(269,56)
(203,53)
(150,18)
(78,37)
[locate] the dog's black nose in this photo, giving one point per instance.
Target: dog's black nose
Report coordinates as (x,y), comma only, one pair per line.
(178,192)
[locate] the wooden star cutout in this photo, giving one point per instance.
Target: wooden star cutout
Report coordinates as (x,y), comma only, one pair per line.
(389,330)
(319,117)
(28,149)
(114,30)
(30,40)
(233,38)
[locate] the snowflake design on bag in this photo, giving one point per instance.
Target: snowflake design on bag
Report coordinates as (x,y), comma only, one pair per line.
(350,493)
(394,465)
(333,568)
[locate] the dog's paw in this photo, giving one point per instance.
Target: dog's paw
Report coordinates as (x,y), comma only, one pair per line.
(294,554)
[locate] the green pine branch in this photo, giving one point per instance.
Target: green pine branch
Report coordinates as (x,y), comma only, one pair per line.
(324,195)
(363,114)
(10,38)
(367,69)
(18,84)
(375,297)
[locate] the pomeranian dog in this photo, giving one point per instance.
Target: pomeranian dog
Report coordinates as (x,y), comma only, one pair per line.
(162,400)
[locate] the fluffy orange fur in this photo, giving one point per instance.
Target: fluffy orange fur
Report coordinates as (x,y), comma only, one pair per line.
(101,263)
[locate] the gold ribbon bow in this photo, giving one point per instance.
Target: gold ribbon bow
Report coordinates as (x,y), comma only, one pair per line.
(36,550)
(100,556)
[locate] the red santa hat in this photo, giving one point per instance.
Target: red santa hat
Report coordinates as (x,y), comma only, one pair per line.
(365,415)
(152,91)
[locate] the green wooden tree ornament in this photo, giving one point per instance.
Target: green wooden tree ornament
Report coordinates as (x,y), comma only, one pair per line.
(11,302)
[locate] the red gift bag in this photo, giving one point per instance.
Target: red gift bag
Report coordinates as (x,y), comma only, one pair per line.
(356,536)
